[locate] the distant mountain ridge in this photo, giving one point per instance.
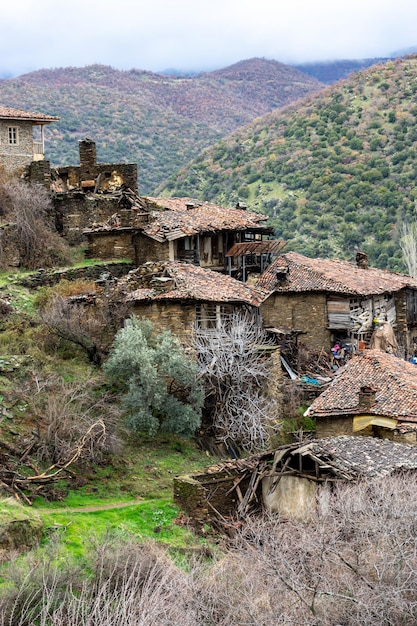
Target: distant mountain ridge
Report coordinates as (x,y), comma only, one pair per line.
(335,172)
(159,121)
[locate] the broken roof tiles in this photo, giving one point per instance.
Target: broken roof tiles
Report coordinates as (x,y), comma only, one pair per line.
(334,276)
(191,282)
(393,380)
(173,218)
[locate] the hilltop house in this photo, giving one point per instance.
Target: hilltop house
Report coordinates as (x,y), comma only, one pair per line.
(331,300)
(375,394)
(22,138)
(179,229)
(177,296)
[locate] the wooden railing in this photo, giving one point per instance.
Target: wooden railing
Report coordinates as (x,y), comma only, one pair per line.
(38,147)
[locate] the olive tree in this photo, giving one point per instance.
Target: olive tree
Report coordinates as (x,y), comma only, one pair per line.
(158,381)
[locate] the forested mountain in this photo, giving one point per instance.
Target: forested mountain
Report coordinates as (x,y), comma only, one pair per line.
(157,121)
(335,173)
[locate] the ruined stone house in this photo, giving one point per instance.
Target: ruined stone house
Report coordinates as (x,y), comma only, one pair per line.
(293,480)
(22,139)
(181,229)
(91,192)
(332,300)
(374,394)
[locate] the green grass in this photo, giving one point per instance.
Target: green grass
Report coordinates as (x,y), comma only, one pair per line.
(153,519)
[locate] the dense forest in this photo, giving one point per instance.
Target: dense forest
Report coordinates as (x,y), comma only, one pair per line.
(335,173)
(158,121)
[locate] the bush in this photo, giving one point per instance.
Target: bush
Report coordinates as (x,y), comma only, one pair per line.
(159,382)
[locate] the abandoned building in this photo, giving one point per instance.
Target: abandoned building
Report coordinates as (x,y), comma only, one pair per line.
(183,229)
(91,192)
(22,139)
(294,480)
(332,300)
(177,296)
(374,394)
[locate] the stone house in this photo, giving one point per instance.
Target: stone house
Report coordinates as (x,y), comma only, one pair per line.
(175,295)
(332,300)
(22,138)
(294,480)
(181,229)
(374,394)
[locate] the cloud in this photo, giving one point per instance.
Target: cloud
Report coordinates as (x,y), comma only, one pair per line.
(188,35)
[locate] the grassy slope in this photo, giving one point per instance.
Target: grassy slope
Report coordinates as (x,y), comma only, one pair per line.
(140,476)
(335,173)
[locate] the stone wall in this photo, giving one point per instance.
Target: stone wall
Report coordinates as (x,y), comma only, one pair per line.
(44,278)
(175,316)
(299,311)
(117,244)
(197,495)
(16,157)
(147,249)
(335,426)
(77,211)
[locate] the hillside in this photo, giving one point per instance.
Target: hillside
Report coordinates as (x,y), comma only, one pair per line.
(335,173)
(160,122)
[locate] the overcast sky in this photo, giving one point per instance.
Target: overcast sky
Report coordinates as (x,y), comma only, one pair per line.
(198,34)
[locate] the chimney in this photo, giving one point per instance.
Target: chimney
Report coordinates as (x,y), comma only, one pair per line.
(241,206)
(281,273)
(88,156)
(362,260)
(189,205)
(366,397)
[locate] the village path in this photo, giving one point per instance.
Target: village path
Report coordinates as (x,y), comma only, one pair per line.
(91,509)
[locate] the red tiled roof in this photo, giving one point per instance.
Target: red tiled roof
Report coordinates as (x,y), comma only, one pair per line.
(329,275)
(394,382)
(192,282)
(179,221)
(17,114)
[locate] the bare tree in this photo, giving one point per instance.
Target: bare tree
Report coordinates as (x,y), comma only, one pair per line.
(235,371)
(90,321)
(408,244)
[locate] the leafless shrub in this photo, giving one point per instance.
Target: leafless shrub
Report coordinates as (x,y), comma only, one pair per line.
(26,208)
(408,245)
(234,371)
(64,412)
(355,563)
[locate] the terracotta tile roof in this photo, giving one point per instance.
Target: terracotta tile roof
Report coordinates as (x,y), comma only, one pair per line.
(184,217)
(394,382)
(333,276)
(191,282)
(17,114)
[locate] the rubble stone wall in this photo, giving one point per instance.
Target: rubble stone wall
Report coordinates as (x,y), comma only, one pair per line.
(112,245)
(299,311)
(198,495)
(174,316)
(150,250)
(76,212)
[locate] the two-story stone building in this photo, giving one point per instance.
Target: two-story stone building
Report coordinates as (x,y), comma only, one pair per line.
(22,138)
(331,300)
